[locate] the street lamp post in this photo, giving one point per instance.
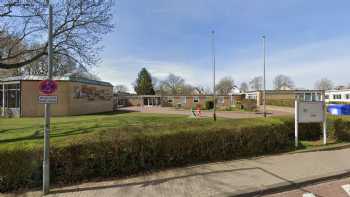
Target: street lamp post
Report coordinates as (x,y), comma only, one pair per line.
(264,94)
(46,161)
(214,91)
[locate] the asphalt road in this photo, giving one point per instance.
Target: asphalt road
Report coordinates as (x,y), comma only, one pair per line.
(335,188)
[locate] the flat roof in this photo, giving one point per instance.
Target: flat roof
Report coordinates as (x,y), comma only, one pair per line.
(287,91)
(344,90)
(64,78)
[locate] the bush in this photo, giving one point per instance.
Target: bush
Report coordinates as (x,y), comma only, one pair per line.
(342,130)
(249,105)
(119,153)
(209,105)
(307,131)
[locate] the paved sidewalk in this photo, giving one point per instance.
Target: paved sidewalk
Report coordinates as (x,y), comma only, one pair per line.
(220,179)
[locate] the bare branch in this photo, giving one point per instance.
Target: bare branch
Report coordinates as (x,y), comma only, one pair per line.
(78,28)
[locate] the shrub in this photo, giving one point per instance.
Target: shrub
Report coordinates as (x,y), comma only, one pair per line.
(19,167)
(249,105)
(209,104)
(120,152)
(342,130)
(307,131)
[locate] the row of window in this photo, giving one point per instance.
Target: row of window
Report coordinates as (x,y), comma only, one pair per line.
(338,96)
(309,96)
(11,97)
(196,99)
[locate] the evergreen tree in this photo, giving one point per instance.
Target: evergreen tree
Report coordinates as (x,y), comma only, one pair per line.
(143,84)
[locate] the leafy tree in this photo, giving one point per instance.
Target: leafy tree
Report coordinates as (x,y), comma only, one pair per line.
(324,84)
(143,84)
(244,87)
(225,86)
(256,83)
(282,82)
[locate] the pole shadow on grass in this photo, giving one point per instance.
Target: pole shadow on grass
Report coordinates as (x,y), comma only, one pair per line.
(289,186)
(39,135)
(116,112)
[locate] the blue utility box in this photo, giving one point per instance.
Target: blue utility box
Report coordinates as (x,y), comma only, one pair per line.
(338,109)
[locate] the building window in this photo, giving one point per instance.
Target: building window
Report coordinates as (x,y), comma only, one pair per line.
(327,96)
(308,97)
(336,96)
(347,96)
(12,95)
(183,99)
(221,100)
(196,99)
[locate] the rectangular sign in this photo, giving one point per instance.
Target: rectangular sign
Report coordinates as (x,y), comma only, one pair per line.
(309,112)
(47,99)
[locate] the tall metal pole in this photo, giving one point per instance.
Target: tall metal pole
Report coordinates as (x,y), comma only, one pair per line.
(3,99)
(214,88)
(264,101)
(46,161)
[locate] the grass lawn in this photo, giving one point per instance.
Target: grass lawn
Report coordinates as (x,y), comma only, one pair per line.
(123,144)
(65,130)
(28,132)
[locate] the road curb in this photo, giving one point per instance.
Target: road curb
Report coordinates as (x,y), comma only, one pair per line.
(291,185)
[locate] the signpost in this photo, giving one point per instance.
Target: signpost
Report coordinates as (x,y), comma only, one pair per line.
(47,99)
(50,88)
(310,112)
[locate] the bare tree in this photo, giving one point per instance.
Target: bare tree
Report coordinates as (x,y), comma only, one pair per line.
(244,87)
(175,85)
(6,7)
(225,86)
(203,90)
(120,88)
(256,83)
(282,82)
(324,84)
(78,28)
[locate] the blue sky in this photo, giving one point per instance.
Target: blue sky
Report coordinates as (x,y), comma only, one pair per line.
(306,40)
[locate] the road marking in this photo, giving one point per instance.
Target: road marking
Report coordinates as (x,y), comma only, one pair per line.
(308,195)
(346,188)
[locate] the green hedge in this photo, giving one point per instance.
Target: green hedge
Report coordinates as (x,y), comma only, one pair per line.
(342,130)
(120,153)
(209,104)
(307,131)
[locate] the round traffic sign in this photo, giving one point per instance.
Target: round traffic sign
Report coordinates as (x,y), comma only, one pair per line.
(48,86)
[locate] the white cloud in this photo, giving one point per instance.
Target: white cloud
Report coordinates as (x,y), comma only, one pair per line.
(125,70)
(305,64)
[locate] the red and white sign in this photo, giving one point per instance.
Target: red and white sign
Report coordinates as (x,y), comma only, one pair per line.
(48,87)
